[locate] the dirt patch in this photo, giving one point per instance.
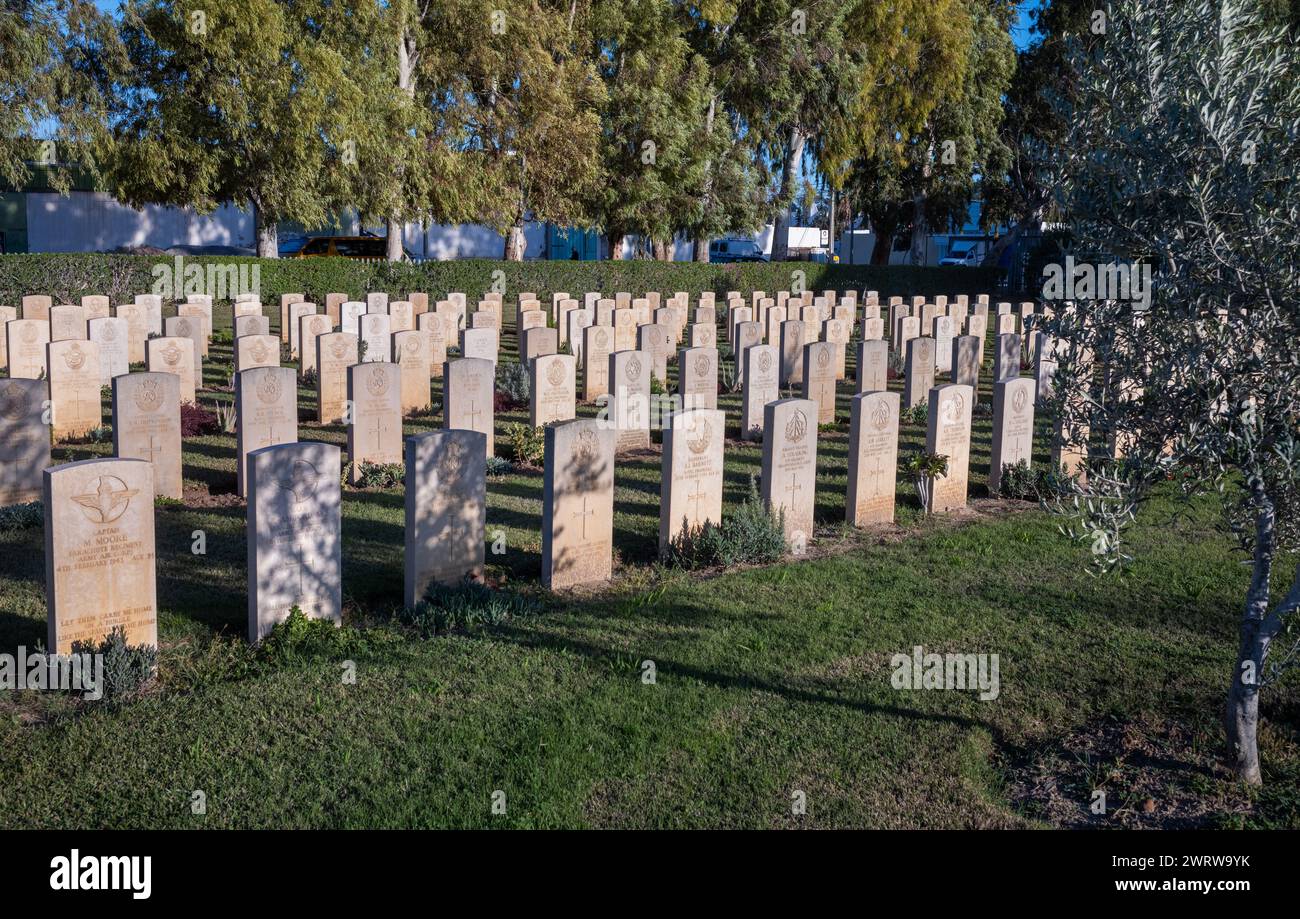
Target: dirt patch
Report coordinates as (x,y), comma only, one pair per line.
(200,496)
(1154,776)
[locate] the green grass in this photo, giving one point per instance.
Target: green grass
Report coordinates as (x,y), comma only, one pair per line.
(768,680)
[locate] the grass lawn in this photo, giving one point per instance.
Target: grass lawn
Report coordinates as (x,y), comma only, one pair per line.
(768,681)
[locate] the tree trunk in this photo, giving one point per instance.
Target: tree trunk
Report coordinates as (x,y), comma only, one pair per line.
(663,251)
(268,236)
(884,241)
(515,243)
(701,250)
(394,251)
(615,246)
(920,227)
(1241,719)
(789,174)
(916,256)
(406,55)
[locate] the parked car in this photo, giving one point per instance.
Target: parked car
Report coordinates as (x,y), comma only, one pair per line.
(967,253)
(367,247)
(735,250)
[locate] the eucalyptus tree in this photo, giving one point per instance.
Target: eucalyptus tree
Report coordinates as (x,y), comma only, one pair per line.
(1181,155)
(58,59)
(523,86)
(933,133)
(242,101)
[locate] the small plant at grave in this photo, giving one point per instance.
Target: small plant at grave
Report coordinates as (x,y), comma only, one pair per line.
(498,466)
(226,416)
(127,668)
(750,534)
(1018,481)
(196,420)
(918,414)
(361,350)
(727,376)
(657,387)
(465,606)
(309,378)
(525,443)
(223,336)
(1040,483)
(513,388)
(380,475)
(298,638)
(21,516)
(894,367)
(101,434)
(165,501)
(982,410)
(925,468)
(105,392)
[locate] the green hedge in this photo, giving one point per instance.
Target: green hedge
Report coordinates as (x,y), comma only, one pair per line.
(66,277)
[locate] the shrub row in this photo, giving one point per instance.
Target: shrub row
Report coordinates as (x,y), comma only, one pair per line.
(67,276)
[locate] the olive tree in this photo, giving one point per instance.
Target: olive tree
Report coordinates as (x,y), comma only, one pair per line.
(1181,159)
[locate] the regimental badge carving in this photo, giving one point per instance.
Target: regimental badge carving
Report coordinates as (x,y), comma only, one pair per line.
(14,401)
(1019,400)
(602,339)
(74,358)
(452,461)
(633,369)
(555,373)
(954,409)
(797,427)
(30,334)
(698,437)
(880,415)
(106,500)
(318,325)
(184,328)
(302,480)
(260,352)
(147,396)
(338,349)
(171,355)
(585,446)
(377,381)
(765,362)
(823,358)
(412,346)
(702,365)
(269,388)
(107,332)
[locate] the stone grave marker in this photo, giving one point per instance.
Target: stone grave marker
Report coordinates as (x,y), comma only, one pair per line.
(468,386)
(789,476)
(553,391)
(692,473)
(266,406)
(578,504)
(147,426)
(948,433)
(99,552)
(24,439)
(873,458)
(295,545)
(446,510)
